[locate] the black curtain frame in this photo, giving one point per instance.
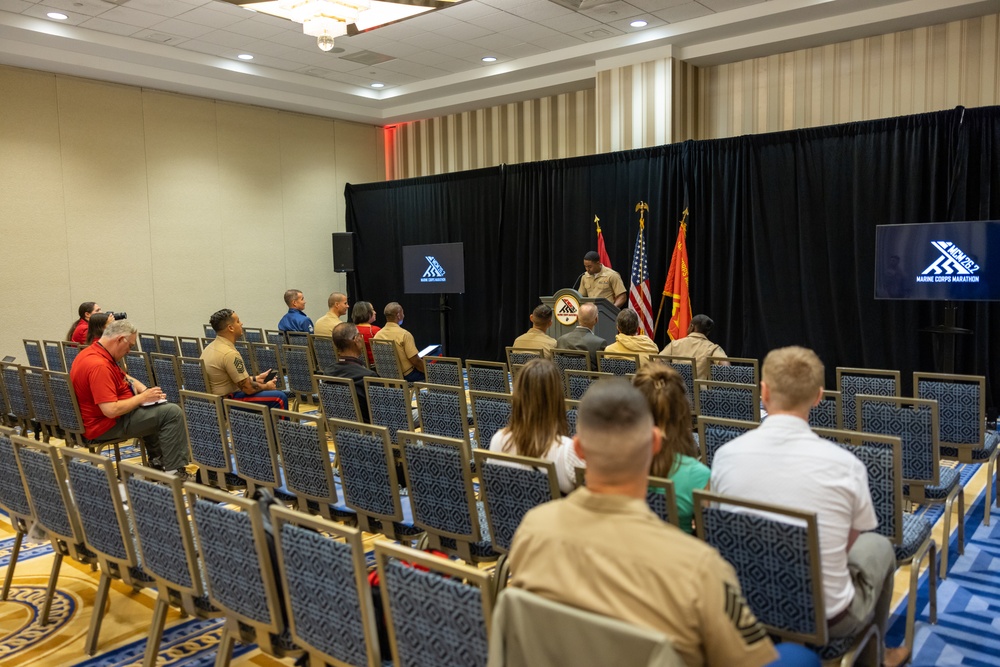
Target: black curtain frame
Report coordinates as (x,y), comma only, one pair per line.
(781,236)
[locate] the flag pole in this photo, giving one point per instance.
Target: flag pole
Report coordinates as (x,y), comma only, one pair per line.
(663,297)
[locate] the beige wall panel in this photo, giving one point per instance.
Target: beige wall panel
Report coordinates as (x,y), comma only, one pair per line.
(106,196)
(32,218)
(182,163)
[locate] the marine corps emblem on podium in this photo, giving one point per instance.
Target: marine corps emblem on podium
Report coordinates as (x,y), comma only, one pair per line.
(567,310)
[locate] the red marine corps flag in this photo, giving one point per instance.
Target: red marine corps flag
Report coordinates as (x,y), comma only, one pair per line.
(676,286)
(601,250)
(638,295)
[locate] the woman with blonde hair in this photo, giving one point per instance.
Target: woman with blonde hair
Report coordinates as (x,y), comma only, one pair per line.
(538,425)
(677,460)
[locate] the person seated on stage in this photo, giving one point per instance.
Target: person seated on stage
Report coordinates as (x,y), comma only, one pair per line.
(350,346)
(96,325)
(601,549)
(583,338)
(337,303)
(602,281)
(783,462)
(629,340)
(114,405)
(677,459)
(696,344)
(227,374)
(78,330)
(537,337)
(537,426)
(295,319)
(410,363)
(363,317)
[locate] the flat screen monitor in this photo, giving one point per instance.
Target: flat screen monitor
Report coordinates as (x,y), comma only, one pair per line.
(438,268)
(938,261)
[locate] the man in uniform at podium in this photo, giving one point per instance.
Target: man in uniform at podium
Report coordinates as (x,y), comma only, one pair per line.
(602,281)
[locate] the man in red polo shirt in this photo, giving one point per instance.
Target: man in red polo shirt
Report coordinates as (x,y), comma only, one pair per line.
(114,405)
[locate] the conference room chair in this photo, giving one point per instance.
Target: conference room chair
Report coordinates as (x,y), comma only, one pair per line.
(190,347)
(33,350)
(167,345)
(148,343)
(490,413)
(5,416)
(915,421)
(209,331)
(243,348)
(69,352)
(254,448)
(299,365)
(43,414)
(53,356)
(370,481)
(571,414)
(167,373)
(69,420)
(389,404)
(386,361)
(576,383)
(777,560)
(962,431)
(194,375)
(165,540)
(106,529)
(273,337)
(910,534)
(299,338)
(138,366)
(617,363)
(444,370)
(686,367)
(14,503)
(323,353)
(239,572)
(519,356)
(324,580)
(727,400)
(439,482)
(17,396)
(205,424)
(734,369)
(254,335)
(574,360)
(493,376)
(266,356)
(714,432)
(828,413)
(443,410)
(660,496)
(337,398)
(869,381)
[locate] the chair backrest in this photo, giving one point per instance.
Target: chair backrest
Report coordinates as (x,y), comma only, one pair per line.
(273,337)
(775,552)
(367,472)
(243,348)
(617,363)
(209,331)
(510,486)
(571,414)
(193,374)
(389,404)
(337,398)
(714,432)
(460,633)
(298,362)
(190,347)
(734,369)
(442,411)
(13,498)
(254,447)
(168,345)
(297,338)
(574,360)
(828,413)
(662,499)
(686,367)
(728,400)
(4,404)
(305,458)
(33,350)
(915,421)
(44,481)
(490,413)
(17,397)
(148,343)
(267,356)
(324,577)
(961,406)
(873,382)
(42,410)
(254,335)
(323,352)
(139,367)
(386,361)
(487,376)
(53,356)
(67,410)
(576,383)
(444,370)
(518,356)
(69,352)
(205,424)
(168,375)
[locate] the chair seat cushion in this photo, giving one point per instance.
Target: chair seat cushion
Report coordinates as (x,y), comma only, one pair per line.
(835,648)
(916,530)
(979,453)
(948,479)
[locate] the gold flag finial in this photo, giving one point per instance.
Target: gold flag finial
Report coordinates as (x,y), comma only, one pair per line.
(642,207)
(597,221)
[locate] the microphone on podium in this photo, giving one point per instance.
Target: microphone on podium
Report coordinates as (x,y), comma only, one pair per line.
(579,278)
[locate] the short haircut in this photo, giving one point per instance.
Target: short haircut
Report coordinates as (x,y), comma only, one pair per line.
(344,335)
(119,328)
(392,310)
(794,376)
(335,297)
(221,319)
(588,315)
(628,322)
(702,324)
(592,256)
(615,428)
(291,295)
(542,313)
(362,312)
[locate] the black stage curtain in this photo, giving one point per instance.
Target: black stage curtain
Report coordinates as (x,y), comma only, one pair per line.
(781,236)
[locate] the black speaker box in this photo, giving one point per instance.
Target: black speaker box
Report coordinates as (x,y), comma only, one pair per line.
(343,252)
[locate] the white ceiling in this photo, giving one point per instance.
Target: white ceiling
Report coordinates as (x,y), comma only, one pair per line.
(190,46)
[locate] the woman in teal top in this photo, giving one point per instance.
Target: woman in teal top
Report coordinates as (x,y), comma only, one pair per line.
(677,459)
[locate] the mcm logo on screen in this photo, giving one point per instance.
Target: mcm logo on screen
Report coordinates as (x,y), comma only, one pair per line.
(954,265)
(434,273)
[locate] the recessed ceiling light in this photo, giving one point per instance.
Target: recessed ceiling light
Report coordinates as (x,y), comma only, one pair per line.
(638,24)
(490,59)
(378,85)
(245,56)
(57,16)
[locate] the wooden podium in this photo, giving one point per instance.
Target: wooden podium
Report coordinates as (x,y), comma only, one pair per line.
(606,313)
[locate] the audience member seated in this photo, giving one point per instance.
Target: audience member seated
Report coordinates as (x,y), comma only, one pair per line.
(114,405)
(363,317)
(227,373)
(696,344)
(537,337)
(783,462)
(337,303)
(537,425)
(583,338)
(295,319)
(410,363)
(601,549)
(350,346)
(629,340)
(96,325)
(78,330)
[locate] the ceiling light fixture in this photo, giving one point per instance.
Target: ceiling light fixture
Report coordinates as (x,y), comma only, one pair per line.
(324,19)
(638,24)
(57,16)
(245,56)
(378,85)
(489,59)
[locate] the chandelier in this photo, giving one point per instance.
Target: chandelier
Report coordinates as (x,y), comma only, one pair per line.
(324,19)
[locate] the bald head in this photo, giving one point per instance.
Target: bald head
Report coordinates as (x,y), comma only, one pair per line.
(615,432)
(588,315)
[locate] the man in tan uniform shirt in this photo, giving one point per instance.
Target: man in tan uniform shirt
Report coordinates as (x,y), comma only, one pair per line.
(696,344)
(571,550)
(537,337)
(227,374)
(601,281)
(337,303)
(410,363)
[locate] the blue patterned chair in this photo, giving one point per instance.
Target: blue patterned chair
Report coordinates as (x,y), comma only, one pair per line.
(386,359)
(962,427)
(53,356)
(910,534)
(239,572)
(777,560)
(576,383)
(571,414)
(518,356)
(266,356)
(249,359)
(297,338)
(299,364)
(17,397)
(254,335)
(443,411)
(324,578)
(43,414)
(828,412)
(738,370)
(444,370)
(5,416)
(209,331)
(148,343)
(106,530)
(254,449)
(204,421)
(14,502)
(686,367)
(574,360)
(490,413)
(493,376)
(871,382)
(168,345)
(438,613)
(137,365)
(337,398)
(439,481)
(193,374)
(727,400)
(915,421)
(69,352)
(323,352)
(167,372)
(389,404)
(165,540)
(33,350)
(714,432)
(67,413)
(617,363)
(660,496)
(370,481)
(272,337)
(307,464)
(190,347)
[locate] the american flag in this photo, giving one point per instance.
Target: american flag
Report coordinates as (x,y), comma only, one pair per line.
(638,294)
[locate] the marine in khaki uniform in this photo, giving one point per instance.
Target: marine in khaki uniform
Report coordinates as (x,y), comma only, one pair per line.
(537,337)
(228,375)
(410,363)
(696,344)
(337,303)
(601,281)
